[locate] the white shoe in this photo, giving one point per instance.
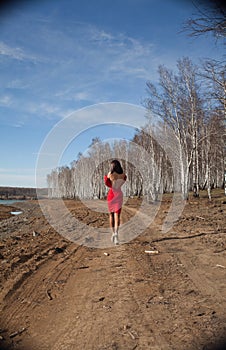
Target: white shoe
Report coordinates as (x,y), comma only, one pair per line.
(116,241)
(114,238)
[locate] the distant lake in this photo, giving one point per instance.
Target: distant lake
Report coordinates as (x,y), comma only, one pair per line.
(10,201)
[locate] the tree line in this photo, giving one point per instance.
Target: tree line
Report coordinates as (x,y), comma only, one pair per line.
(18,192)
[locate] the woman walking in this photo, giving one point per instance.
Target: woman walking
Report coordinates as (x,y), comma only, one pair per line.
(115,179)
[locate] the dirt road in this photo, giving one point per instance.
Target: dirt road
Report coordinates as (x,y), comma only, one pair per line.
(58,295)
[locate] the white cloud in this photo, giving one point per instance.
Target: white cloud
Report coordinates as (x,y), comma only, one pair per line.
(19,124)
(99,58)
(123,54)
(17,177)
(16,180)
(4,170)
(92,52)
(81,62)
(99,36)
(5,100)
(16,53)
(48,110)
(22,177)
(47,154)
(17,84)
(82,96)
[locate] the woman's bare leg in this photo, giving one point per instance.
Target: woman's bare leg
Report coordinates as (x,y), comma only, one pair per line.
(117,224)
(116,217)
(112,221)
(112,225)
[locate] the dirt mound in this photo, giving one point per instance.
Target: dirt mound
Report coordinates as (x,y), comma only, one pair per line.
(58,295)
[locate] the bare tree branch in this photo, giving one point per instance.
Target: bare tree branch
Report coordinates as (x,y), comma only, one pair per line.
(209,20)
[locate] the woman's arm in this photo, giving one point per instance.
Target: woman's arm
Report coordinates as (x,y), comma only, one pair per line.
(107,181)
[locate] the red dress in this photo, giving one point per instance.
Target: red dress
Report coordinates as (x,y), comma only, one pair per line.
(115,195)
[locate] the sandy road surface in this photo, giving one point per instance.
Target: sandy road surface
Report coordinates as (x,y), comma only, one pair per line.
(58,295)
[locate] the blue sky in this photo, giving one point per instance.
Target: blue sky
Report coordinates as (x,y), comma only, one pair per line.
(59,56)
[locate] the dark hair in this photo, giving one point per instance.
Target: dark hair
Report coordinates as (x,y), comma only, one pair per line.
(116,167)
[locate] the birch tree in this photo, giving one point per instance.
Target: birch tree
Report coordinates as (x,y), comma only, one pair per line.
(165,102)
(192,112)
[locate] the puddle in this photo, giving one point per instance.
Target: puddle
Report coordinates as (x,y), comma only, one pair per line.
(16,212)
